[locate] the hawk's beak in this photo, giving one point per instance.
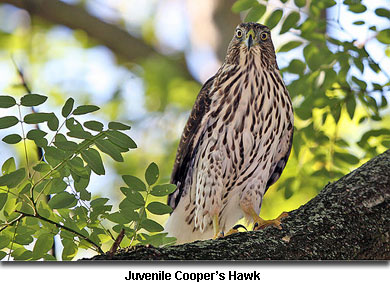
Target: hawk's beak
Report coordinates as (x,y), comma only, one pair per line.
(249,39)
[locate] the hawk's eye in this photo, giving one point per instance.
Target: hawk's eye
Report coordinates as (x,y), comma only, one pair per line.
(238,33)
(264,36)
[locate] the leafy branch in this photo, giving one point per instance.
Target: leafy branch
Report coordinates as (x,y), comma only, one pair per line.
(64,173)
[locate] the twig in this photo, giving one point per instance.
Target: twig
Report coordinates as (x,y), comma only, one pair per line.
(64,228)
(117,243)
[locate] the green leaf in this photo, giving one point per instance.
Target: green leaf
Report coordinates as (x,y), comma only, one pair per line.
(358,23)
(73,125)
(56,185)
(2,254)
(290,22)
(92,157)
(8,166)
(54,155)
(300,3)
(99,202)
(119,218)
(25,188)
(134,183)
(62,200)
(7,101)
(384,36)
(12,139)
(78,167)
(129,211)
(274,18)
(42,167)
(360,83)
(43,245)
(121,139)
(312,56)
(85,109)
(94,125)
(151,173)
(109,148)
(128,206)
(134,196)
(357,8)
(8,121)
(80,134)
(163,190)
(67,108)
(70,249)
(346,157)
(36,134)
(297,67)
(118,126)
(30,100)
(255,13)
(289,46)
(21,254)
(53,123)
(3,200)
(85,195)
(24,239)
(159,208)
(288,191)
(242,5)
(13,179)
(36,118)
(66,145)
(386,144)
(382,12)
(351,106)
(4,241)
(151,226)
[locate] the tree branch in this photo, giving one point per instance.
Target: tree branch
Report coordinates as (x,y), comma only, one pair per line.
(110,35)
(348,220)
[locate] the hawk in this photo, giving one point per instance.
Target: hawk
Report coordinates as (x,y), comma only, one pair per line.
(235,144)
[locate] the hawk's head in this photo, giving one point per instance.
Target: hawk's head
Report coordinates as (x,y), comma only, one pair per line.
(251,38)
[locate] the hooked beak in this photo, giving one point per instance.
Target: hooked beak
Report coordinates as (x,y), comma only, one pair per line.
(249,38)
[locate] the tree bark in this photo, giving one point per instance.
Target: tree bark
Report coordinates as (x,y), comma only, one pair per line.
(348,220)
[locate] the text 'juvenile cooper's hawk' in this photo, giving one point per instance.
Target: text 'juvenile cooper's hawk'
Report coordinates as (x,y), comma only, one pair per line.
(236,142)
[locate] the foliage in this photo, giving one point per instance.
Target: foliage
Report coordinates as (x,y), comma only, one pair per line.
(50,197)
(334,104)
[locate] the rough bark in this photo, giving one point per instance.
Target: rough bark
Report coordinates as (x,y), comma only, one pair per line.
(348,220)
(118,40)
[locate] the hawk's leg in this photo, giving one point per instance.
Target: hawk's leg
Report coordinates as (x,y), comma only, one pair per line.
(259,223)
(217,233)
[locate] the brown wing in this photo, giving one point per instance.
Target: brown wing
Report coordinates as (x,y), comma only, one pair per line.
(281,159)
(187,146)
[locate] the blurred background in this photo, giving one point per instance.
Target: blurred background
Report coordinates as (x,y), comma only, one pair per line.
(144,62)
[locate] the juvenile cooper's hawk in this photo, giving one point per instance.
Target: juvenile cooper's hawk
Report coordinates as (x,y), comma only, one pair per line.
(236,142)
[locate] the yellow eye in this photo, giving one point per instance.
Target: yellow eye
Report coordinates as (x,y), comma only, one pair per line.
(238,33)
(264,36)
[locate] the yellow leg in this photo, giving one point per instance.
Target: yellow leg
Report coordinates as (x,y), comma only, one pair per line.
(259,223)
(216,226)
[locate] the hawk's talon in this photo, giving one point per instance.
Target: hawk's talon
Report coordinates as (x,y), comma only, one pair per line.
(236,227)
(261,224)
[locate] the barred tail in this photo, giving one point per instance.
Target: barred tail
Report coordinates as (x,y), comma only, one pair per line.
(177,227)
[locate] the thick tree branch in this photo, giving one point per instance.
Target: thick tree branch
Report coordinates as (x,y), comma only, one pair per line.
(76,17)
(348,220)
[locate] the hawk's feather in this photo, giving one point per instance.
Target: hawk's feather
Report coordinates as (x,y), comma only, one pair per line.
(187,146)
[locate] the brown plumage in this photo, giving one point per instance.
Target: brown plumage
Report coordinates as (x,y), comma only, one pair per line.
(236,141)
